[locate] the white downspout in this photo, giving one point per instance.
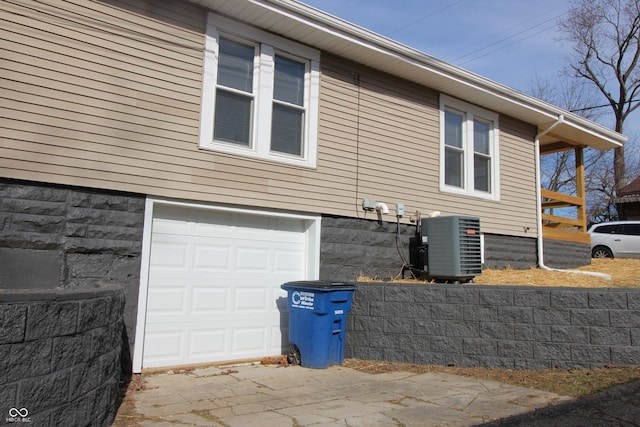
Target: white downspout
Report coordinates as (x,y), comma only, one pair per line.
(540,245)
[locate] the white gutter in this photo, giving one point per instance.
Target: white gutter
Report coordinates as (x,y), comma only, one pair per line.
(540,246)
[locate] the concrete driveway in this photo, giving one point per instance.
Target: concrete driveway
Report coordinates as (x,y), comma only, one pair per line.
(270,395)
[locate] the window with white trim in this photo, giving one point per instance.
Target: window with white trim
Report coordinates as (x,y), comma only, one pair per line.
(468,149)
(260,94)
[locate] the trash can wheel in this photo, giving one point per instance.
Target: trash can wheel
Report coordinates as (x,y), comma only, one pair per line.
(294,355)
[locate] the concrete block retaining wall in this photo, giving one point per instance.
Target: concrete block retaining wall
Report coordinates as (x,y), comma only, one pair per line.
(495,326)
(60,355)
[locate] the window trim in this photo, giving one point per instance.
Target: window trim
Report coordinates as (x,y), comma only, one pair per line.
(268,45)
(470,112)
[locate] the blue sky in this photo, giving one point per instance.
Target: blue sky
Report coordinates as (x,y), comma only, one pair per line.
(508,41)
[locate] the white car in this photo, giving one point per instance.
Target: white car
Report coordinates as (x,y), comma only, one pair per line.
(615,239)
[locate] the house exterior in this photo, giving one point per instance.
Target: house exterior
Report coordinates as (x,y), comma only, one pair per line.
(628,200)
(201,153)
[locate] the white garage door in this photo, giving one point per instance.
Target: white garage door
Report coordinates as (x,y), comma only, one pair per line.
(214,285)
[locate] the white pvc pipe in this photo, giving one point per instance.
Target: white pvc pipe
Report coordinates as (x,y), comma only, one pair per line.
(540,245)
(382,207)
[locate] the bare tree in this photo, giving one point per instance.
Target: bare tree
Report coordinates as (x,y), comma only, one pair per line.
(606,47)
(599,185)
(558,171)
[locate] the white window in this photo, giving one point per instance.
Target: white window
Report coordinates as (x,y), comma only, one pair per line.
(260,94)
(468,149)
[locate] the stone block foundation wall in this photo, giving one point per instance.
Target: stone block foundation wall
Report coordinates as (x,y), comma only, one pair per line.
(520,253)
(495,326)
(60,356)
(558,254)
(351,247)
(54,236)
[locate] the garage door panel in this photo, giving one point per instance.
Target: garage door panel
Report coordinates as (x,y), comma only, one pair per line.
(280,237)
(251,299)
(252,259)
(171,225)
(164,345)
(212,257)
(169,255)
(187,300)
(169,300)
(248,340)
(274,231)
(214,285)
(208,343)
(226,224)
(287,260)
(209,300)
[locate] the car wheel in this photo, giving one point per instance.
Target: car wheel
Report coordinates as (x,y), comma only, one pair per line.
(601,252)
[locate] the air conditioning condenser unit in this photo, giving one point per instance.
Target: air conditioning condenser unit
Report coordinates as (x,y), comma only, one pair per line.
(453,247)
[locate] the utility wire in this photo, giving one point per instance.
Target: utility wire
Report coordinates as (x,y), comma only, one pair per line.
(424,17)
(503,47)
(594,107)
(537,25)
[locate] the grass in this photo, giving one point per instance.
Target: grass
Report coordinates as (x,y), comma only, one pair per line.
(624,273)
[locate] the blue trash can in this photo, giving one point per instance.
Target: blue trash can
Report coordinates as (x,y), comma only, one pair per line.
(317,321)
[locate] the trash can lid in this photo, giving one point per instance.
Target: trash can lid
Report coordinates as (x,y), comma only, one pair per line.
(320,284)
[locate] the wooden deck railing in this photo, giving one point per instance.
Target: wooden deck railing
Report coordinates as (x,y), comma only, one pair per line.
(559,227)
(569,229)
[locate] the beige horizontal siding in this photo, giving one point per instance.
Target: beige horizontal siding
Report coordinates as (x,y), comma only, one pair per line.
(398,151)
(107,95)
